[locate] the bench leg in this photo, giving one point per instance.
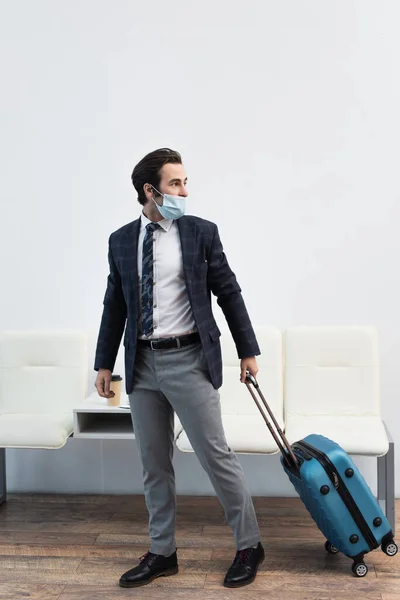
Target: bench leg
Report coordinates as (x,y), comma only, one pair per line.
(3,488)
(386,486)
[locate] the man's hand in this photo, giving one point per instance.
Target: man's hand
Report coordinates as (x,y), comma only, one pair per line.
(102,384)
(248,364)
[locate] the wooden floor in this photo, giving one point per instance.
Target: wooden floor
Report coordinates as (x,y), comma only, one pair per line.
(76,547)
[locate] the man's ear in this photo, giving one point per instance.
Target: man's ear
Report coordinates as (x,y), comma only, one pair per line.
(147,188)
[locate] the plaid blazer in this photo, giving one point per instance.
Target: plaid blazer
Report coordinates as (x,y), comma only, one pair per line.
(206,270)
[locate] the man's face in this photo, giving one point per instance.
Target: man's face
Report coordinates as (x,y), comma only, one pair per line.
(173,180)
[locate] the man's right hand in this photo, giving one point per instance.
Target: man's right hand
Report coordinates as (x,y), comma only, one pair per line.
(102,383)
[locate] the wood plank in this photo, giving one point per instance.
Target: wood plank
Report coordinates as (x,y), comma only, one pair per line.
(89,528)
(121,527)
(381,560)
(314,549)
(389,570)
(309,549)
(70,506)
(97,551)
(262,582)
(14,591)
(197,517)
(10,538)
(49,527)
(280,532)
(347,584)
(181,541)
(99,580)
(182,501)
(34,563)
(154,593)
(95,499)
(33,514)
(270,581)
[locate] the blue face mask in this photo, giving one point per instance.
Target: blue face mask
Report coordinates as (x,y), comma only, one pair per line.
(173,207)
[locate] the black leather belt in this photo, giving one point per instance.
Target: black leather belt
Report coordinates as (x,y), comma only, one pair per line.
(168,343)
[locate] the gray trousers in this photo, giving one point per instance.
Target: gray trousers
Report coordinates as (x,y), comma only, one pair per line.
(177,380)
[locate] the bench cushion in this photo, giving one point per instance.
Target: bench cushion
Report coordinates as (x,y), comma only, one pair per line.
(35,430)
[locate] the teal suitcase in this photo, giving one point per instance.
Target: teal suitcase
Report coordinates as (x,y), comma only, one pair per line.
(334,493)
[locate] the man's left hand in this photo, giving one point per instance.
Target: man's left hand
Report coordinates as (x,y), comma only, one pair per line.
(248,364)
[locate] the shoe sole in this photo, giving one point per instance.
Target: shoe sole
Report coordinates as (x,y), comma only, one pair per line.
(167,573)
(237,585)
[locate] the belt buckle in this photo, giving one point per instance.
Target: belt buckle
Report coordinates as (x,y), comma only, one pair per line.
(176,340)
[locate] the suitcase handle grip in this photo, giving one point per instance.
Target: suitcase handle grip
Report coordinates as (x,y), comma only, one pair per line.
(251,379)
(280,440)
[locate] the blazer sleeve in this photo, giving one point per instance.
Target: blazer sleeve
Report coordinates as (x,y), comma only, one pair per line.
(223,284)
(113,318)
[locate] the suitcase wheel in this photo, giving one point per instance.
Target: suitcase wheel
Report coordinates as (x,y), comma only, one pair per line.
(331,548)
(359,569)
(390,549)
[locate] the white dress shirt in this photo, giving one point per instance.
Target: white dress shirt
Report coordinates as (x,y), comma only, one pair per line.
(172,313)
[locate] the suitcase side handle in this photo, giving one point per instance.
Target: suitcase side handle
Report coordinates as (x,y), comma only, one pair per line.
(280,440)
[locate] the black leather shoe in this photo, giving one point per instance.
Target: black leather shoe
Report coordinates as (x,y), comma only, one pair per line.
(151,566)
(244,568)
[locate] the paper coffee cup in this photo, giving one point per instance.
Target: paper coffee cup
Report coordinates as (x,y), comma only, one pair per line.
(115,386)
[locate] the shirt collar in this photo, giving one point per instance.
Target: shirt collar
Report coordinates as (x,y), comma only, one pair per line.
(165,223)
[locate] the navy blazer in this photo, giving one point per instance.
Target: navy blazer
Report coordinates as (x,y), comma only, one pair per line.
(206,270)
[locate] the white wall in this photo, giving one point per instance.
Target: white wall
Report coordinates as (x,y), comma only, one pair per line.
(287,117)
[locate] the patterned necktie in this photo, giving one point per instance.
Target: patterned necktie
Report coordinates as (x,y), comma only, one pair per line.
(147,280)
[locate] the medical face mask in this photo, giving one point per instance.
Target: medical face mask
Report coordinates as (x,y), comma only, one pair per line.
(173,207)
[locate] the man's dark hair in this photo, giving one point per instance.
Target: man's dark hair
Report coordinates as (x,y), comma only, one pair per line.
(148,170)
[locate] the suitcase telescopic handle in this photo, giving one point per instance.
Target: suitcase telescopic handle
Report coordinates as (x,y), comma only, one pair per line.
(281,440)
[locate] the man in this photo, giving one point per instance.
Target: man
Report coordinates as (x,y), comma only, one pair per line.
(163,267)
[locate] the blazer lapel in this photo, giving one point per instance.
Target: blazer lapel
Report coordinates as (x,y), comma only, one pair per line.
(132,258)
(187,234)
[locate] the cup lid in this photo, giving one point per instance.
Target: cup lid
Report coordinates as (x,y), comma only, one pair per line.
(116,378)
